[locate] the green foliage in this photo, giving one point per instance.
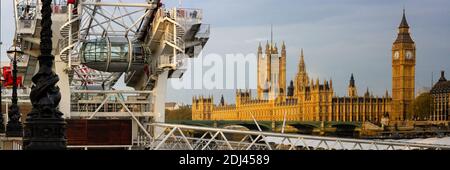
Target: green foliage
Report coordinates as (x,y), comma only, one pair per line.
(421,108)
(184,113)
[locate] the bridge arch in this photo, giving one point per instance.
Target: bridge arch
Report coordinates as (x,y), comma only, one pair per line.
(248,126)
(254,127)
(345,129)
(236,127)
(303,128)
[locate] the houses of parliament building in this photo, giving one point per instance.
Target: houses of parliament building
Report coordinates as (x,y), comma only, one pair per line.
(306,99)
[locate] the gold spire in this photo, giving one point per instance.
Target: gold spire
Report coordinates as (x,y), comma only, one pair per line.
(331,83)
(275,49)
(259,48)
(301,65)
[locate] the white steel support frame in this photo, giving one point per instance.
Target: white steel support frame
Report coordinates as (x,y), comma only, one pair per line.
(25,28)
(84,76)
(16,17)
(119,4)
(174,137)
(70,36)
(282,130)
(165,41)
(159,99)
(118,94)
(101,19)
(66,45)
(98,19)
(119,18)
(259,128)
(35,4)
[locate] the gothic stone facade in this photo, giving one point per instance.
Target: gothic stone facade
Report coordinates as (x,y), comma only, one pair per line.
(313,100)
(440,94)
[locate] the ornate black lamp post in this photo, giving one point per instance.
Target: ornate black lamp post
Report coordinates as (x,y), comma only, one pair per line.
(45,127)
(14,127)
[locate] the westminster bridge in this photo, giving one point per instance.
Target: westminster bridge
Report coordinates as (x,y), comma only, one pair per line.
(303,127)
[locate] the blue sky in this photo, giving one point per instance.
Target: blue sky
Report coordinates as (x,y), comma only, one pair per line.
(339,37)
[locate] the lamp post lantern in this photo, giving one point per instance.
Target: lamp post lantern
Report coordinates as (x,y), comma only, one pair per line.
(14,127)
(45,128)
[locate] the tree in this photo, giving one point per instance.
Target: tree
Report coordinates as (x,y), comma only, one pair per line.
(421,107)
(183,113)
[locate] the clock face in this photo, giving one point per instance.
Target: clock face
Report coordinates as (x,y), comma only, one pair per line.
(409,55)
(396,55)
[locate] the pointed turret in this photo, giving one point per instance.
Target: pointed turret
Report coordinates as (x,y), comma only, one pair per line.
(275,49)
(317,82)
(367,95)
(331,84)
(259,48)
(222,101)
(282,72)
(301,64)
(194,101)
(325,84)
(352,91)
(404,23)
(267,48)
(302,78)
(403,32)
(290,92)
(352,81)
(442,79)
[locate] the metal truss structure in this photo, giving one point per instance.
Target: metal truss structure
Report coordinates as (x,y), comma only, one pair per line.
(179,137)
(95,19)
(85,78)
(183,137)
(89,104)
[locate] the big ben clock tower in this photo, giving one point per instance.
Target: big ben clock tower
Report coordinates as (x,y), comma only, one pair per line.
(403,71)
